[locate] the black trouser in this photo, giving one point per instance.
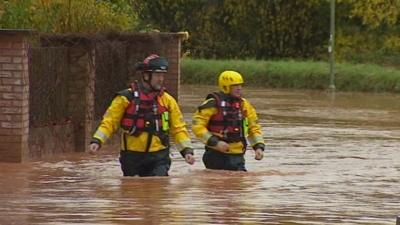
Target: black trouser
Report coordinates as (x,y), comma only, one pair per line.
(145,164)
(215,160)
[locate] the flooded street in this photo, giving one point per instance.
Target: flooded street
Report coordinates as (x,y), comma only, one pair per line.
(328,161)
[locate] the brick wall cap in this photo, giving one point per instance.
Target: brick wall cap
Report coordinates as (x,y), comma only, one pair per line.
(17,31)
(71,39)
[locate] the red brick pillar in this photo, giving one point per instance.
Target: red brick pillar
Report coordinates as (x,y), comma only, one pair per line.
(173,53)
(14,96)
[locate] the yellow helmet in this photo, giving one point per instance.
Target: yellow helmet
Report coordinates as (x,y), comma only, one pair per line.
(228,78)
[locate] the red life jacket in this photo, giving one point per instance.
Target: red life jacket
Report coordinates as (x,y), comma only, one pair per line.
(228,122)
(145,113)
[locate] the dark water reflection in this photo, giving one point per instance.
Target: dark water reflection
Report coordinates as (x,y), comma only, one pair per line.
(328,162)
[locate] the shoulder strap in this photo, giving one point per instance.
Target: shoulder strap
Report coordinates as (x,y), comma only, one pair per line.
(210,103)
(126,93)
(212,100)
(214,95)
(132,93)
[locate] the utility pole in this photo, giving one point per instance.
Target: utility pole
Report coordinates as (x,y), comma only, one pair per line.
(331,48)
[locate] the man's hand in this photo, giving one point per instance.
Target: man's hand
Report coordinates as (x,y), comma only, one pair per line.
(189,158)
(93,148)
(187,153)
(222,146)
(259,154)
(215,143)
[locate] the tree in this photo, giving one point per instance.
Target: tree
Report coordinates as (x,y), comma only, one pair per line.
(368,29)
(64,16)
(242,29)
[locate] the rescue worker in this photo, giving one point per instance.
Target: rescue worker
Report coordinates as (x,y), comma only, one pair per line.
(147,115)
(224,123)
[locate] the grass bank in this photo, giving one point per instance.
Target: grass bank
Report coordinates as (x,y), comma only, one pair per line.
(295,74)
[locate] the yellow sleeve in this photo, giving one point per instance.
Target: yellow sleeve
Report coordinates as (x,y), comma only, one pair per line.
(111,119)
(200,121)
(177,125)
(255,132)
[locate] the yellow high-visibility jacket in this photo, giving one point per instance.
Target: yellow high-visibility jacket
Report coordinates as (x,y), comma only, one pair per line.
(209,108)
(112,121)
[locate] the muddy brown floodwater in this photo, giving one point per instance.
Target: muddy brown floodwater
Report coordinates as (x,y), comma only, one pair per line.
(328,161)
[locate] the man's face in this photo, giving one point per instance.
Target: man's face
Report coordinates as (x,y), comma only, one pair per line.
(236,90)
(157,80)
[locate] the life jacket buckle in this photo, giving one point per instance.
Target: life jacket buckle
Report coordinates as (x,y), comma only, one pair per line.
(132,130)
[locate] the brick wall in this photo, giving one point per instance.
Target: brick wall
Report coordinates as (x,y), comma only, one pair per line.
(81,100)
(14,96)
(20,143)
(173,54)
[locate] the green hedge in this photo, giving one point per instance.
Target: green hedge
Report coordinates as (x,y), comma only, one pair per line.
(294,74)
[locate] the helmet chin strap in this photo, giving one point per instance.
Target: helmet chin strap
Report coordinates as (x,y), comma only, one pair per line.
(149,81)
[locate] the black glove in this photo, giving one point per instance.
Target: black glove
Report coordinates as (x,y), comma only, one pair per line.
(212,141)
(187,150)
(259,145)
(95,140)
